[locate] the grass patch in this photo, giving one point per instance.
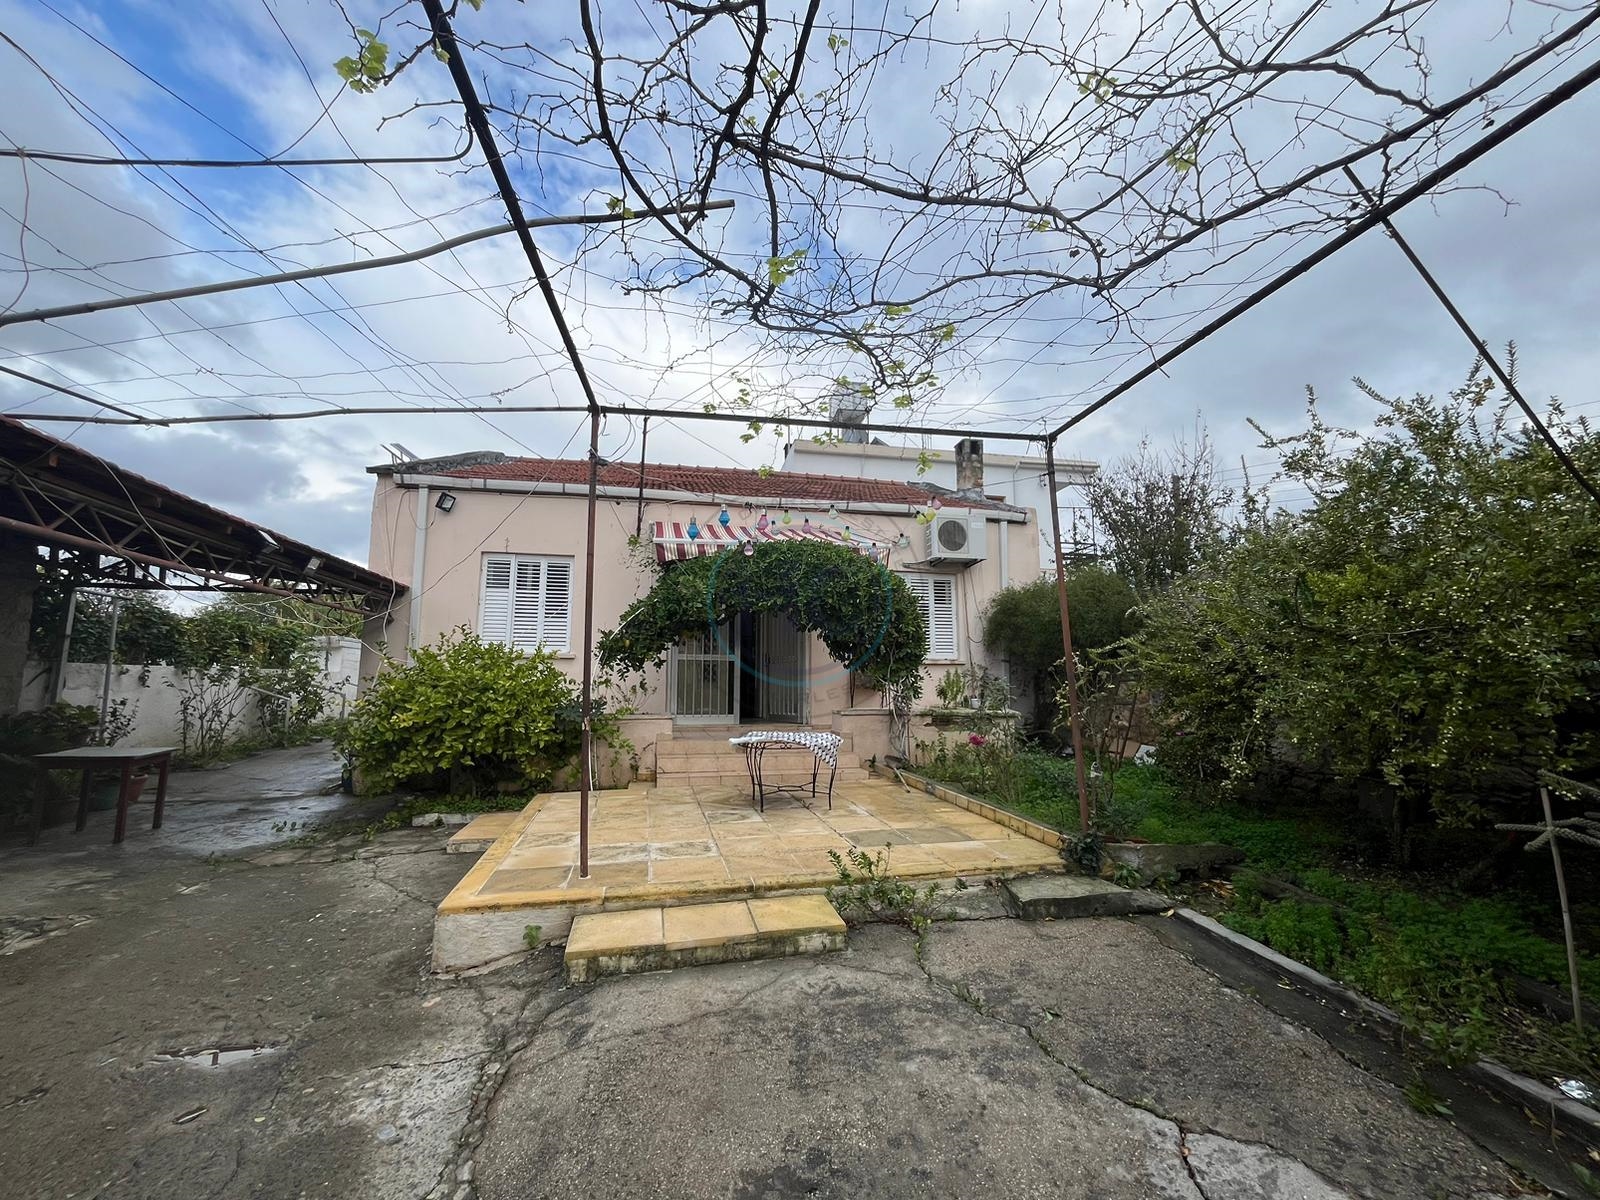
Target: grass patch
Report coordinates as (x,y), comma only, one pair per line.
(1443,960)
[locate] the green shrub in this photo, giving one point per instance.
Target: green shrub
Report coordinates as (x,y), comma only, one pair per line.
(22,735)
(465,714)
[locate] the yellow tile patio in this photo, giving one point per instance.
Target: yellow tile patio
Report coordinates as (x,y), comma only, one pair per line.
(667,846)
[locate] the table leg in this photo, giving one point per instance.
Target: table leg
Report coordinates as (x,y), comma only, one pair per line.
(83,799)
(161,790)
(122,804)
(40,784)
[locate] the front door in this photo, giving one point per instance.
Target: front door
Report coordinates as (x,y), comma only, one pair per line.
(781,650)
(705,676)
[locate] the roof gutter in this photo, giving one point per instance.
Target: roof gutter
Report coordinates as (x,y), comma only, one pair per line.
(542,488)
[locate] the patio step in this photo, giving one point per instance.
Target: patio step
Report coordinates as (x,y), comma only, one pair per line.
(480,833)
(658,939)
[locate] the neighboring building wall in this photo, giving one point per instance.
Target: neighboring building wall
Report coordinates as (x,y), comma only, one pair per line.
(1017,480)
(153,692)
(486,522)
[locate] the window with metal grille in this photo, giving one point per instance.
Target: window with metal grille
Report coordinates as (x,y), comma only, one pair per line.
(526,602)
(936,597)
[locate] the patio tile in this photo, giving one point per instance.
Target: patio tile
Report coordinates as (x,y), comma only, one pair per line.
(521,859)
(678,870)
(927,833)
(610,932)
(693,849)
(625,852)
(789,914)
(685,928)
(531,839)
(532,880)
(611,874)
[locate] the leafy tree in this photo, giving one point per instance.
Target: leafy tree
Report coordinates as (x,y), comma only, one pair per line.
(466,714)
(1160,511)
(1426,625)
(1024,624)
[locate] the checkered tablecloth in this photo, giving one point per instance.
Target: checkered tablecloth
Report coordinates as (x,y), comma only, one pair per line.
(824,745)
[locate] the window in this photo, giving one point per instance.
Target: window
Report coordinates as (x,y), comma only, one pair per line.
(527,602)
(936,597)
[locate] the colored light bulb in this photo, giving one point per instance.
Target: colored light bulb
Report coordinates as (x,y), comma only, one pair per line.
(693,531)
(787,519)
(833,512)
(937,504)
(724,518)
(846,533)
(805,526)
(762,522)
(749,549)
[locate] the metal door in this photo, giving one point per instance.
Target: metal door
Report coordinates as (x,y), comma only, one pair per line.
(705,676)
(783,669)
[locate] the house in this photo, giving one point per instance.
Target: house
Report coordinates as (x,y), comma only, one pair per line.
(497,544)
(1016,479)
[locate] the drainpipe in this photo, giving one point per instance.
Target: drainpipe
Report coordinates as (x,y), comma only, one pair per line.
(419,557)
(1005,582)
(66,646)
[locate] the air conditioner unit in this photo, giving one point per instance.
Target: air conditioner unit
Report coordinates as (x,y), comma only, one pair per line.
(957,539)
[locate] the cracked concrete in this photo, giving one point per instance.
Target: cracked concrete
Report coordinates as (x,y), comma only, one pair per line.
(1074,1059)
(218,930)
(877,1072)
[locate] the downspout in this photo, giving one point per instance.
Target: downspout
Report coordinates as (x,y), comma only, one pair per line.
(419,557)
(1005,582)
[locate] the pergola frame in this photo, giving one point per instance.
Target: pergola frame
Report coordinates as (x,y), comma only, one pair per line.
(284,576)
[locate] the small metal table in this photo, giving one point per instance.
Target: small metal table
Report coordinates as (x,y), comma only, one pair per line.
(824,748)
(89,759)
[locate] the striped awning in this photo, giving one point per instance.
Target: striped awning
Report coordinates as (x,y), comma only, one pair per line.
(673,543)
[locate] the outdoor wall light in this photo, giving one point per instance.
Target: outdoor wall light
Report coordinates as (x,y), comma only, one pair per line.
(445,502)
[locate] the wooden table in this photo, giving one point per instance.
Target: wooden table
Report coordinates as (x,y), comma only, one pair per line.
(130,760)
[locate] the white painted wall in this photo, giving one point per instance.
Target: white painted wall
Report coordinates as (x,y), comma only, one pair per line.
(1017,480)
(153,692)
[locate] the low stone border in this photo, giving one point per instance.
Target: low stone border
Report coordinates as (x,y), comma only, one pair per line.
(1518,1088)
(1000,816)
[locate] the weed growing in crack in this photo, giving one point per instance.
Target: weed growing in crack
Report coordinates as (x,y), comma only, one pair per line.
(866,892)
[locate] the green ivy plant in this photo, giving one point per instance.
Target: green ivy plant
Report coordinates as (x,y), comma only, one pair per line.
(865,614)
(467,714)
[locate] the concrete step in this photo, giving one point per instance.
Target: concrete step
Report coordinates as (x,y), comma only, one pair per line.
(658,939)
(480,833)
(1063,897)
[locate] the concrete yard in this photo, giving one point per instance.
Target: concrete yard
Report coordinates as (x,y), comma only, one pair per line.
(1080,1058)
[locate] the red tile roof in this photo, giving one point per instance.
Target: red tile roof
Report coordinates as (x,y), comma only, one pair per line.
(732,483)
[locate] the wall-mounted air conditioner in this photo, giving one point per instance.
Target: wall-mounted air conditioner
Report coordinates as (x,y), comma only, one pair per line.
(956,538)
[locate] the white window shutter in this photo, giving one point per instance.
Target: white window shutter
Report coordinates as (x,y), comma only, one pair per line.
(555,629)
(936,597)
(525,603)
(494,611)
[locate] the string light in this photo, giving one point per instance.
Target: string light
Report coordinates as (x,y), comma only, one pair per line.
(833,512)
(846,533)
(903,541)
(787,519)
(762,522)
(805,526)
(723,518)
(749,549)
(693,531)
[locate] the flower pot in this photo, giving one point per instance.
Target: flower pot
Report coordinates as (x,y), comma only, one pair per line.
(103,794)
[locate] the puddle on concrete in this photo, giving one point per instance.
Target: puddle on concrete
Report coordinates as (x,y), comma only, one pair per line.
(216,1056)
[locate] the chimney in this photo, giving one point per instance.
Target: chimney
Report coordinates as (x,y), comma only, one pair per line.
(969,467)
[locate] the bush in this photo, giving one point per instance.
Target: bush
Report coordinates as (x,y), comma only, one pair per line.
(1425,627)
(22,735)
(465,715)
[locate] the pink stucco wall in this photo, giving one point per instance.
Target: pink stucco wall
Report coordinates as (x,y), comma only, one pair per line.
(485,522)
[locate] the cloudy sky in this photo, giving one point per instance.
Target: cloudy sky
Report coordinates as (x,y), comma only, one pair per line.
(1515,242)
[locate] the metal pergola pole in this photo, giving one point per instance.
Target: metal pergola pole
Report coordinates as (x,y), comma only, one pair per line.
(586,738)
(1075,718)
